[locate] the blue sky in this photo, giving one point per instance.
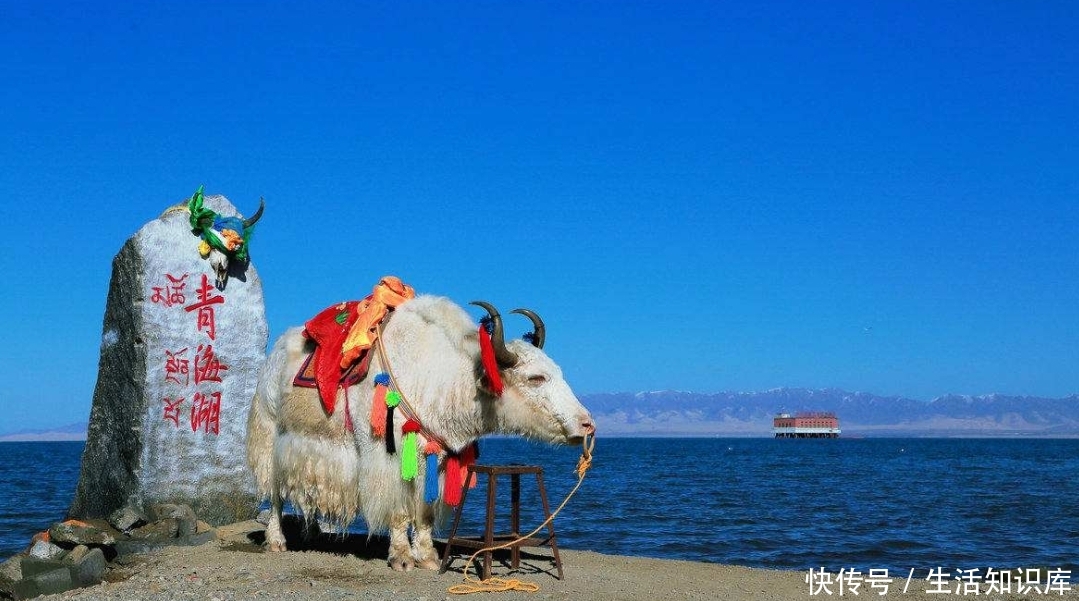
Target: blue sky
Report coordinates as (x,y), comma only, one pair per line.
(702,196)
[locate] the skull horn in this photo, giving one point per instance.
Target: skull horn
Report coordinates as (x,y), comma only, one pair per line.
(539,333)
(258,214)
(505,357)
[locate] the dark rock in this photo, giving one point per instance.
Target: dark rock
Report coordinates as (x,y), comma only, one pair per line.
(141,546)
(10,573)
(168,426)
(187,523)
(127,518)
(73,533)
(138,546)
(12,567)
(195,540)
(74,555)
(57,580)
(90,569)
(32,566)
(165,529)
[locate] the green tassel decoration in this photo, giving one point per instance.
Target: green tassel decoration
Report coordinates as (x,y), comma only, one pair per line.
(410,450)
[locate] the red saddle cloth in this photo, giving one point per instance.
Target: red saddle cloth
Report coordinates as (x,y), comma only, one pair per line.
(322,369)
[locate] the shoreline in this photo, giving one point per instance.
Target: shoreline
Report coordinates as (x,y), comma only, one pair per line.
(355,568)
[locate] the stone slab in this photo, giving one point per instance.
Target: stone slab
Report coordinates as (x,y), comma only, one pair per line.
(90,569)
(74,533)
(178,366)
(46,583)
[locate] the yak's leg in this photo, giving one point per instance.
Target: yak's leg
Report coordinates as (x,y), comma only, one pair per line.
(275,539)
(423,547)
(400,549)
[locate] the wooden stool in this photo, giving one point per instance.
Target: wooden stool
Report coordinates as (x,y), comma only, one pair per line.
(491,539)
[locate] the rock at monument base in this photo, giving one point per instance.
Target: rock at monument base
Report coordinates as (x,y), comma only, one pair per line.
(76,554)
(92,545)
(161,529)
(186,521)
(127,518)
(72,533)
(33,567)
(11,568)
(43,549)
(179,362)
(89,569)
(54,581)
(10,573)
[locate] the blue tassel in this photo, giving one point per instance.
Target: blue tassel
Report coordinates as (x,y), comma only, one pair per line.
(430,481)
(382,378)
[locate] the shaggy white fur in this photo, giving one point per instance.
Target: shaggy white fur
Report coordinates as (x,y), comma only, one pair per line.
(300,454)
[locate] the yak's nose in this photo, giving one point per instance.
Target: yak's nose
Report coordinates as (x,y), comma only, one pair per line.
(579,427)
(586,425)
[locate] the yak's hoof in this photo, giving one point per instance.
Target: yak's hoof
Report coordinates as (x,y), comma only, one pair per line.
(402,564)
(276,547)
(429,564)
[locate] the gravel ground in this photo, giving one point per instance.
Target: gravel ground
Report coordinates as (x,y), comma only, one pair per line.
(224,571)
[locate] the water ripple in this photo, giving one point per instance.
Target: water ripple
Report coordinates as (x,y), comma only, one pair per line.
(845,503)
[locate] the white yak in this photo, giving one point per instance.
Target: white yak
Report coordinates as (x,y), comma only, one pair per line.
(300,454)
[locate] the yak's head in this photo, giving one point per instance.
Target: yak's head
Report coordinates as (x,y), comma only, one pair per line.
(535,400)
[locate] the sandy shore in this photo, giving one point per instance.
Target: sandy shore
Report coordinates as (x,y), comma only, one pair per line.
(353,568)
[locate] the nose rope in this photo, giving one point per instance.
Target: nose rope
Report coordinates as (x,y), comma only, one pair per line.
(500,585)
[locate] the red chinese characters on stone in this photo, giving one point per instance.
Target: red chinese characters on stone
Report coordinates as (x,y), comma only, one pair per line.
(172,293)
(206,412)
(172,410)
(205,307)
(207,366)
(190,371)
(176,367)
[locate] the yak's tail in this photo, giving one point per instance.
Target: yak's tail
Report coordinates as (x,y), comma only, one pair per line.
(260,443)
(262,419)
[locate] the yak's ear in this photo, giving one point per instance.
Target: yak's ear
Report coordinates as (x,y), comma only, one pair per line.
(484,385)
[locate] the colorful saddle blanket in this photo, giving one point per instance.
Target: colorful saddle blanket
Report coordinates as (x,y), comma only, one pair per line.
(345,335)
(322,368)
(307,376)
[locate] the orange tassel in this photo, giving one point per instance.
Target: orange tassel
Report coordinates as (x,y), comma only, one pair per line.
(378,411)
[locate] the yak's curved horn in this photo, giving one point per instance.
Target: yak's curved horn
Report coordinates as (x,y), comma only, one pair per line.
(258,214)
(539,333)
(505,357)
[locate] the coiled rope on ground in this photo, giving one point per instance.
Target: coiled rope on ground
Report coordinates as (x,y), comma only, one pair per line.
(499,585)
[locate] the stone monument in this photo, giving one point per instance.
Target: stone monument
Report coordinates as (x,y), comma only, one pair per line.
(181,347)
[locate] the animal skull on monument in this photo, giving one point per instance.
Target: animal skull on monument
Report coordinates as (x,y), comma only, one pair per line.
(223,238)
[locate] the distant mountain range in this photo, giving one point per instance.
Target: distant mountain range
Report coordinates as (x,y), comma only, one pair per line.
(674,413)
(76,431)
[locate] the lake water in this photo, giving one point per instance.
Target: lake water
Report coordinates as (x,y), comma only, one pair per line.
(899,504)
